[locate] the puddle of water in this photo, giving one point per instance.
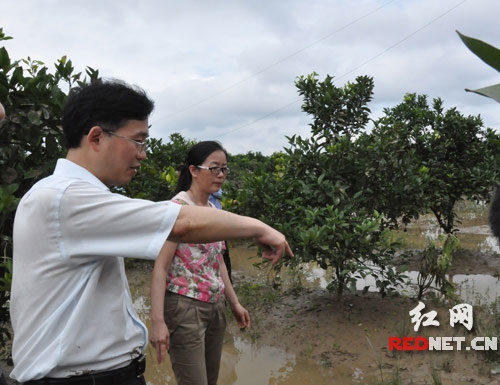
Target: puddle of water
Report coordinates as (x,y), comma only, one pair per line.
(475,289)
(489,244)
(241,358)
(246,363)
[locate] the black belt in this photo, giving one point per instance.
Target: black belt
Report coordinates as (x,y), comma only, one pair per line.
(111,377)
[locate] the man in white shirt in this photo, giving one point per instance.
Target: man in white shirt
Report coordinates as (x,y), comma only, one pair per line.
(71,309)
(3,381)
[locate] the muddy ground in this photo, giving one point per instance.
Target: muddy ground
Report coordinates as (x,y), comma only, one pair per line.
(352,332)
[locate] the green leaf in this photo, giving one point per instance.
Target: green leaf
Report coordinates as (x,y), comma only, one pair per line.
(34,117)
(4,59)
(492,92)
(486,52)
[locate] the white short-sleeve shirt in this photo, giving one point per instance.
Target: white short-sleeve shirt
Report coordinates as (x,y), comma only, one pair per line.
(71,308)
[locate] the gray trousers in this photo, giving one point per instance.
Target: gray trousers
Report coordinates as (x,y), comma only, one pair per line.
(196,338)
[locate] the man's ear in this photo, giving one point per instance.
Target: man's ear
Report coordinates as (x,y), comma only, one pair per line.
(94,137)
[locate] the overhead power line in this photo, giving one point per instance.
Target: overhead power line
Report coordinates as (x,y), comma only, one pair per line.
(264,69)
(399,42)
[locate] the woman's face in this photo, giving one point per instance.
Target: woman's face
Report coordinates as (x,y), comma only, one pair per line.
(204,179)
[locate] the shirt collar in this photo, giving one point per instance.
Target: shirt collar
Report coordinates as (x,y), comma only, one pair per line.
(69,169)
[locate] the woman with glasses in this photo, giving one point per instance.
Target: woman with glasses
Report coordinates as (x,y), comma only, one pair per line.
(190,282)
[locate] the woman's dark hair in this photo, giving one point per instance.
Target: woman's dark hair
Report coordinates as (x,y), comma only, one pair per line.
(111,103)
(195,157)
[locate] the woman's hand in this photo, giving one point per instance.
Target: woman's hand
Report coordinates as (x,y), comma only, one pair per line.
(241,314)
(160,339)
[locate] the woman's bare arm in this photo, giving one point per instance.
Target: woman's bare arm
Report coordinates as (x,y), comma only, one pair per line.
(203,225)
(160,335)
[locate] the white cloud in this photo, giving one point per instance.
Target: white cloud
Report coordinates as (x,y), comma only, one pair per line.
(226,69)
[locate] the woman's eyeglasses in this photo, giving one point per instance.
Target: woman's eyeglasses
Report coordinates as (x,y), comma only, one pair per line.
(215,170)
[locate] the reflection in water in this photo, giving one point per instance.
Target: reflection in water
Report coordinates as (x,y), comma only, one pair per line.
(243,362)
(274,365)
(489,244)
(475,289)
(246,363)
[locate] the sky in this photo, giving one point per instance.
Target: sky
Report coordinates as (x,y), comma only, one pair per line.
(226,69)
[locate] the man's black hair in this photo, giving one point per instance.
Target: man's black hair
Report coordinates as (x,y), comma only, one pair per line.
(111,103)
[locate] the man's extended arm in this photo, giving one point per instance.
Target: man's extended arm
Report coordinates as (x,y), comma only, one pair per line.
(203,225)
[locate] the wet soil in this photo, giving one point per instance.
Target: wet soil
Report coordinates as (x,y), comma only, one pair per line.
(349,335)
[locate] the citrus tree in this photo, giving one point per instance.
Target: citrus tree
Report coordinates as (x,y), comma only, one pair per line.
(30,139)
(338,192)
(157,177)
(315,195)
(439,157)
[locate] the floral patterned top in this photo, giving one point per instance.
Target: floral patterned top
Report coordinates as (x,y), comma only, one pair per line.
(195,268)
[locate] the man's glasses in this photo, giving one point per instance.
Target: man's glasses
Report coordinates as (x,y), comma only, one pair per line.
(141,146)
(215,170)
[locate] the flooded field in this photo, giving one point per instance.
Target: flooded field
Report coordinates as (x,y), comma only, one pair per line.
(346,357)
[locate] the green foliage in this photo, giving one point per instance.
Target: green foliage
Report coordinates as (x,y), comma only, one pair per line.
(430,160)
(336,193)
(8,203)
(434,267)
(157,177)
(487,324)
(5,284)
(30,137)
(314,195)
(491,56)
(251,183)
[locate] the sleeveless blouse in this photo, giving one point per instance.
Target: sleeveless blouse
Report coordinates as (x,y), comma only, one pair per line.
(195,268)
